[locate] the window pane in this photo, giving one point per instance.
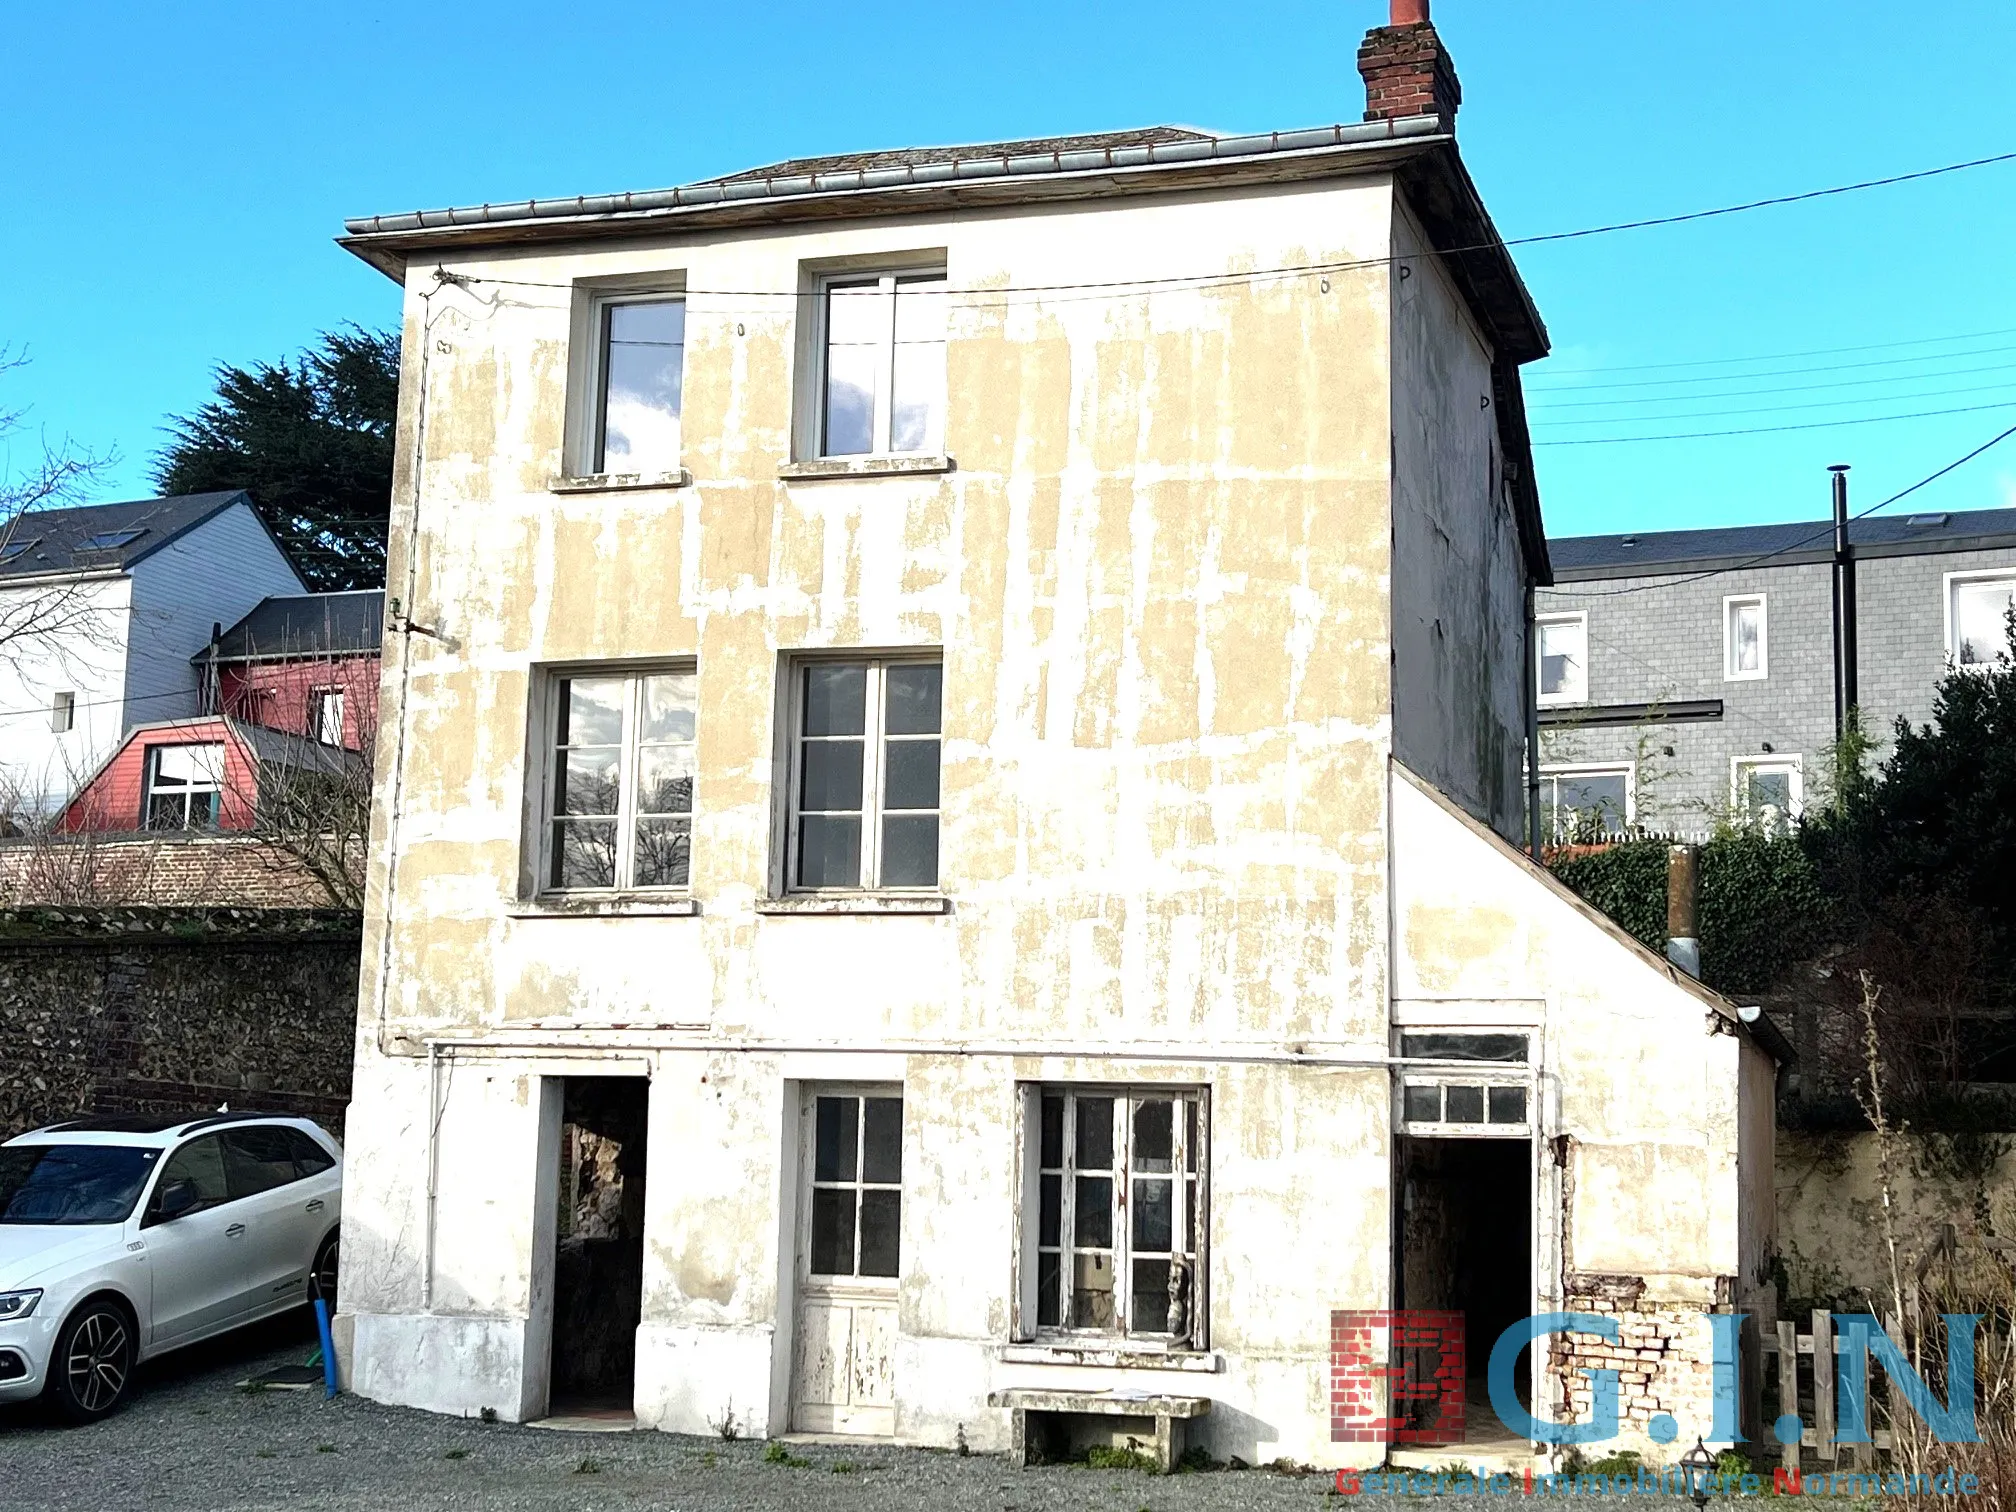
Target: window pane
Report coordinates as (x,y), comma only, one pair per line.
(665,779)
(833,1231)
(910,774)
(642,366)
(1189,1135)
(829,851)
(1746,637)
(256,1160)
(836,698)
(1154,1214)
(1151,1296)
(1422,1104)
(1563,650)
(164,811)
(881,1221)
(1980,625)
(1053,1132)
(202,807)
(200,1161)
(882,1140)
(910,851)
(921,306)
(1508,1105)
(833,1138)
(183,764)
(668,708)
(1095,1133)
(1050,1209)
(1190,1216)
(915,693)
(1465,1104)
(917,399)
(830,775)
(850,401)
(1509,1048)
(584,853)
(857,314)
(664,852)
(1092,1224)
(309,1157)
(1155,1136)
(1092,1291)
(591,711)
(585,780)
(1595,799)
(1049,1312)
(1765,787)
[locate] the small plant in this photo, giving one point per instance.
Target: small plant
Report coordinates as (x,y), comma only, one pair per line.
(726,1425)
(588,1466)
(1113,1457)
(325,1448)
(1197,1458)
(488,1414)
(268,1454)
(709,1459)
(776,1452)
(843,1467)
(251,1388)
(456,1454)
(959,1440)
(1624,1462)
(1732,1462)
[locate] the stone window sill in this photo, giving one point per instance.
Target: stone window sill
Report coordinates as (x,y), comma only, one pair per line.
(1112,1356)
(856,903)
(678,477)
(605,906)
(863,467)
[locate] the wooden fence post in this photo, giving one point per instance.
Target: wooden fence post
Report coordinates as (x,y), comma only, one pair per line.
(1788,1386)
(1823,1383)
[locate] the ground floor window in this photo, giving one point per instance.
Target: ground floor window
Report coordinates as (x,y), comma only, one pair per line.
(1769,791)
(857,1185)
(1586,803)
(1120,1190)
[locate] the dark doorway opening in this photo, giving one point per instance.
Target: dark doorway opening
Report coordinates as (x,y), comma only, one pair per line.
(598,1270)
(1466,1226)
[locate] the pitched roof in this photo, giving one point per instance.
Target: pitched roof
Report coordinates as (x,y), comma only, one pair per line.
(299,625)
(95,537)
(917,157)
(1649,553)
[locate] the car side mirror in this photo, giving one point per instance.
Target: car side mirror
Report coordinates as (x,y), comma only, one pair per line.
(175,1199)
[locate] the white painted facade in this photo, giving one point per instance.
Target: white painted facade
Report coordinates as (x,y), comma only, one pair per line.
(119,641)
(1194,638)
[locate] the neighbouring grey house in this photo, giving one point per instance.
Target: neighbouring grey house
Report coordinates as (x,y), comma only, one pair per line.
(1687,676)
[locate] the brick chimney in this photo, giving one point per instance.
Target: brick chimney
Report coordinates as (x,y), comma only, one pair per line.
(1407,70)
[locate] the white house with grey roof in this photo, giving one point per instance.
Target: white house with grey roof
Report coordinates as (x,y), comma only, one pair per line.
(1685,676)
(100,609)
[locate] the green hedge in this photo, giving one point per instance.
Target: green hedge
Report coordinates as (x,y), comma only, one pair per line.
(1761,905)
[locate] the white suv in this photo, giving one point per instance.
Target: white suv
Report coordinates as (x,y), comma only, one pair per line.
(124,1237)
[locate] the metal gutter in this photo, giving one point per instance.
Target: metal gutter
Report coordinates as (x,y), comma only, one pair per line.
(915,175)
(1599,716)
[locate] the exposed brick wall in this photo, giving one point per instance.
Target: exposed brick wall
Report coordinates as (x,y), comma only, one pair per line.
(166,1010)
(1663,1356)
(172,870)
(1408,73)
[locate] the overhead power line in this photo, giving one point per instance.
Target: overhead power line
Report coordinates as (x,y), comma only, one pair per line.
(1760,430)
(1819,534)
(1549,407)
(1870,346)
(1830,367)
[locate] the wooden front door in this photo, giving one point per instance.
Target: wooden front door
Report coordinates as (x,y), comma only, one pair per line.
(850,1222)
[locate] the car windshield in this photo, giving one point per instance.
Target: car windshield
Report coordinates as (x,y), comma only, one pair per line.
(72,1184)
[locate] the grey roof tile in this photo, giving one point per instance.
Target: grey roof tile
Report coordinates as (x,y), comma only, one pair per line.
(96,536)
(1653,551)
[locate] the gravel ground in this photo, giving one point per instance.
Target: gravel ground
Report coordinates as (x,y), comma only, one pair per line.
(192,1440)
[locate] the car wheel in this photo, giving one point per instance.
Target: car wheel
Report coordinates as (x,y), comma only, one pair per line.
(322,1278)
(93,1362)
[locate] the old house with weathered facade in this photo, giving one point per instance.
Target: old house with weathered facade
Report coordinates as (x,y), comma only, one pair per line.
(949,813)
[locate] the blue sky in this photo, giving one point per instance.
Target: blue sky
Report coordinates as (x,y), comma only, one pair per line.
(173,177)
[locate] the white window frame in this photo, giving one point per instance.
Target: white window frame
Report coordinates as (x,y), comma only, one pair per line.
(873,742)
(63,713)
(1731,603)
(184,791)
(887,277)
(1793,765)
(1578,617)
(547,767)
(320,701)
(588,378)
(1629,770)
(1955,581)
(1196,1333)
(1458,1072)
(862,1093)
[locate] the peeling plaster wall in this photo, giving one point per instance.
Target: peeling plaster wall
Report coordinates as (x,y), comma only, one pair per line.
(1160,574)
(1458,573)
(1644,1105)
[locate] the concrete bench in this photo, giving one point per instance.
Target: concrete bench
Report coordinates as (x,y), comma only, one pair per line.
(1052,1436)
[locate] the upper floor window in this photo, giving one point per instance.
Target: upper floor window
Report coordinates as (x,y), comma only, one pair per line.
(185,784)
(325,715)
(864,774)
(882,373)
(639,372)
(1580,804)
(619,806)
(1743,638)
(1564,658)
(1977,617)
(63,713)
